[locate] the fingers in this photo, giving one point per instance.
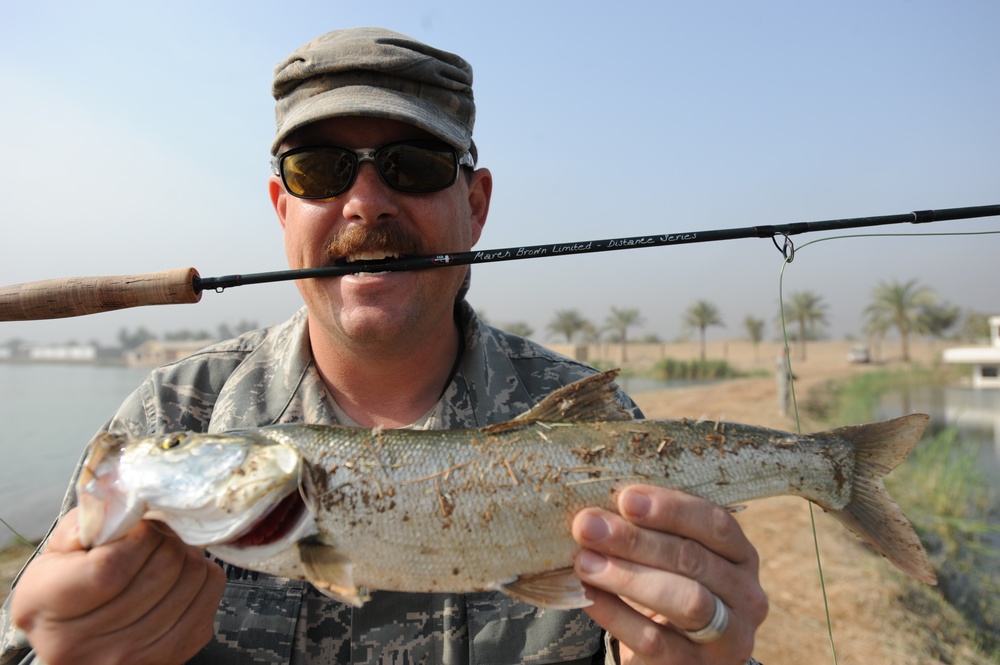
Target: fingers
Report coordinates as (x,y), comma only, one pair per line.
(640,634)
(161,575)
(689,537)
(688,604)
(146,598)
(657,568)
(670,531)
(177,627)
(684,515)
(72,581)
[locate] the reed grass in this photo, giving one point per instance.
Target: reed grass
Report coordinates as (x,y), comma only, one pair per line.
(943,489)
(694,370)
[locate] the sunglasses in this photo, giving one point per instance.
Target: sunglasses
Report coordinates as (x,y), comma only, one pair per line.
(414,167)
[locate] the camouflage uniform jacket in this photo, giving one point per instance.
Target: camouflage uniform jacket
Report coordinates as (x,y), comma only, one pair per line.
(267,377)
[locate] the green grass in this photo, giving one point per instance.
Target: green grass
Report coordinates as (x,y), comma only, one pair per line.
(694,370)
(942,488)
(854,402)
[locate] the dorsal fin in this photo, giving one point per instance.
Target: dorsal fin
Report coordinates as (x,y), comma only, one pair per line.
(590,399)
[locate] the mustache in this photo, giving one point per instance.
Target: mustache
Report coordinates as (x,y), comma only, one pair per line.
(389,238)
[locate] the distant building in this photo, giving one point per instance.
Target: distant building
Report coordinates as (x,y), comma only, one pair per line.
(62,353)
(985,360)
(69,352)
(155,353)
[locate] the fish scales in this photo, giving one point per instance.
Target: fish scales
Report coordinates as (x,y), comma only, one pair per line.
(468,510)
(415,497)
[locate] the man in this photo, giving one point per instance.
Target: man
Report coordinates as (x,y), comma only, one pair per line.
(373,158)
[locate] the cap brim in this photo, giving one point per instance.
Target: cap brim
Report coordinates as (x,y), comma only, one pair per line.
(373,102)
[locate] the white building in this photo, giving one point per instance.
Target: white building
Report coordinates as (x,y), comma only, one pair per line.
(985,360)
(71,353)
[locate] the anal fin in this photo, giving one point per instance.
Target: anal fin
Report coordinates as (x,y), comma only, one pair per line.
(329,571)
(557,589)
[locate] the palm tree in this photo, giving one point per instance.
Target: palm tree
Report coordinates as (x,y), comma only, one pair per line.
(567,322)
(975,327)
(875,329)
(620,320)
(701,315)
(591,336)
(755,331)
(899,306)
(808,310)
(937,318)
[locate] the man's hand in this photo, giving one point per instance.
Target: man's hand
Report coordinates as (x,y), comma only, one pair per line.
(146,598)
(655,570)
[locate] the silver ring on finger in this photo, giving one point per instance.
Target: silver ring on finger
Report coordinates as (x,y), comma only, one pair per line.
(715,628)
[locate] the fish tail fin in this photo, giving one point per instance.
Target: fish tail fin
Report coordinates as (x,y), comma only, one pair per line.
(871,513)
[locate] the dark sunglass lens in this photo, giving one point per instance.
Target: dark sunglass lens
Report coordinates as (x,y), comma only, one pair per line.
(318,173)
(418,167)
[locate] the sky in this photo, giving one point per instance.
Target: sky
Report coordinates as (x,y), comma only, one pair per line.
(135,138)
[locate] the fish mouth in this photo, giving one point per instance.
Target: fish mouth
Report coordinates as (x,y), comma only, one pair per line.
(275,524)
(104,513)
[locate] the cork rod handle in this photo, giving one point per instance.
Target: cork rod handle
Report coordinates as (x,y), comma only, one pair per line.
(76,296)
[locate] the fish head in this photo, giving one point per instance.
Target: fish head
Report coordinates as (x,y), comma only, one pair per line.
(208,488)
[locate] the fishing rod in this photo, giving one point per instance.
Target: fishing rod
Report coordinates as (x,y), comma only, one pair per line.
(76,296)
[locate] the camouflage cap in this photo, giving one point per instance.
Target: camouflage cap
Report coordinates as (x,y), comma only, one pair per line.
(378,73)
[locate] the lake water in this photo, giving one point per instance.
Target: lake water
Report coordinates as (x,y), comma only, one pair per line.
(974,413)
(48,413)
(638,384)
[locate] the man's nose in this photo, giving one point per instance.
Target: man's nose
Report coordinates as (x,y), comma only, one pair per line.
(369,199)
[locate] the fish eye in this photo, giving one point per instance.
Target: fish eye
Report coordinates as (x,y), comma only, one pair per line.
(171,442)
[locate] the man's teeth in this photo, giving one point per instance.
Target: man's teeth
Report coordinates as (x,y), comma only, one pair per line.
(370,256)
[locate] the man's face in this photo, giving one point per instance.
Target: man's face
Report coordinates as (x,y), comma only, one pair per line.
(370,221)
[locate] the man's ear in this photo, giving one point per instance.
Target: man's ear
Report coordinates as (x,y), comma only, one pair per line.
(279,197)
(480,191)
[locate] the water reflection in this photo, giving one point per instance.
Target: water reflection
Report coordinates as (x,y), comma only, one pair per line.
(969,565)
(974,413)
(639,384)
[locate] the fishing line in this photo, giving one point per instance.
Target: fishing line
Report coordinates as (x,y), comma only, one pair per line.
(788,252)
(17,535)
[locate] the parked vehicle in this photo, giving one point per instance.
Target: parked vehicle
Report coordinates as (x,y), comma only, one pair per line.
(858,354)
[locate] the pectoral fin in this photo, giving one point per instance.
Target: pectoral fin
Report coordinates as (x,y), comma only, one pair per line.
(557,589)
(329,571)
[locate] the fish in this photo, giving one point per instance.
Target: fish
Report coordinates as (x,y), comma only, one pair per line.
(352,509)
